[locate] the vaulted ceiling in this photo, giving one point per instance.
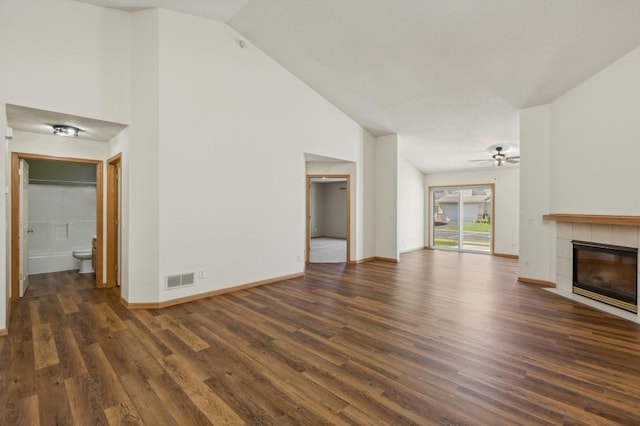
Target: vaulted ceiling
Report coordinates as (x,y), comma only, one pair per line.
(448,76)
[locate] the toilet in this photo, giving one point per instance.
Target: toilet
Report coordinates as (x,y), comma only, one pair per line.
(85,257)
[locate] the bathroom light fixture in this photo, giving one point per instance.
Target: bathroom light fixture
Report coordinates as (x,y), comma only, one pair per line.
(62,130)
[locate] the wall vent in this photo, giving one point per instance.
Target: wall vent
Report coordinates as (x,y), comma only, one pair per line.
(180,280)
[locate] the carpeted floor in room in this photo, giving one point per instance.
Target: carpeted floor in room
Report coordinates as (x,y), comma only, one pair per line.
(328,250)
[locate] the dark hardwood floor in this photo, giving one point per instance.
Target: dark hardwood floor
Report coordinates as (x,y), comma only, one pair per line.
(441,338)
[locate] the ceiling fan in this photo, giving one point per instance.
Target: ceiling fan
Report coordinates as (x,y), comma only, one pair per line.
(499,158)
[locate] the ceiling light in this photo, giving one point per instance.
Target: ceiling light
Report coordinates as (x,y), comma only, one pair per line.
(61,130)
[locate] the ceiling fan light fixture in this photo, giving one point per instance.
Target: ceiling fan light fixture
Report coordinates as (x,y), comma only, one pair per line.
(62,130)
(499,158)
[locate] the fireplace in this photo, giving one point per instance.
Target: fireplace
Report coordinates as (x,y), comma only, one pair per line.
(606,273)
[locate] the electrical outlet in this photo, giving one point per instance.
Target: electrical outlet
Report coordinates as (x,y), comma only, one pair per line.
(201,274)
(298,259)
(526,262)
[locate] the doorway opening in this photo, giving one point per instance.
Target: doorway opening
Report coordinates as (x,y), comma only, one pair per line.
(328,219)
(114,235)
(56,232)
(462,217)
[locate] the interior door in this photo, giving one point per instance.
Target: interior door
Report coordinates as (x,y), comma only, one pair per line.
(23,174)
(114,235)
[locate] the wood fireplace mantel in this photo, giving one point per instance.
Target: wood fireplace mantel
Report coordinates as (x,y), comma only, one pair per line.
(594,219)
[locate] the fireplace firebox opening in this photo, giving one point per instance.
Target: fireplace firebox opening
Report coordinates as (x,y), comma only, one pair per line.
(606,273)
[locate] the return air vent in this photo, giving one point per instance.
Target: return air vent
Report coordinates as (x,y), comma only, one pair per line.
(181,280)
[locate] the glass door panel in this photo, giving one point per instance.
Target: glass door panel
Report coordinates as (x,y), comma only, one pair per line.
(476,223)
(446,210)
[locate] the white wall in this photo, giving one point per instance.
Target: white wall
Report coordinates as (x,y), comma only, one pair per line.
(366,187)
(80,69)
(245,123)
(334,210)
(92,81)
(316,194)
(595,141)
(386,185)
(537,254)
(328,209)
(140,164)
(581,156)
(506,198)
(57,146)
(411,206)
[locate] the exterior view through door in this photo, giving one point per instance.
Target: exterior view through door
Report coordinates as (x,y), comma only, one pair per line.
(462,218)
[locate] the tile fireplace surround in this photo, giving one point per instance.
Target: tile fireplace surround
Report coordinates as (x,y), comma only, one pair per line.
(596,229)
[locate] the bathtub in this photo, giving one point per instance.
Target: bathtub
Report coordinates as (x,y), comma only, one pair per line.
(44,261)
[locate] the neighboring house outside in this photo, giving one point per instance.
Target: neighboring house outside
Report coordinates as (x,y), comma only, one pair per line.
(476,205)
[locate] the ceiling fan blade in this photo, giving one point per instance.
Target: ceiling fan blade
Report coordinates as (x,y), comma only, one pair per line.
(513,160)
(481,161)
(515,157)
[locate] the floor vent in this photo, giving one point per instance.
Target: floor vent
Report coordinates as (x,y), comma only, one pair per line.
(181,280)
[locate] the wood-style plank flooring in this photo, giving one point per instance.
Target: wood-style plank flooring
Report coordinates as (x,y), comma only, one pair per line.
(441,338)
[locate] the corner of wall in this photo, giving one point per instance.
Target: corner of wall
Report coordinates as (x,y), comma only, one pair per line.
(367,208)
(535,259)
(411,206)
(386,184)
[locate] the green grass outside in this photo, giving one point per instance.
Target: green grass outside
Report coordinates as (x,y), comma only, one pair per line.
(453,243)
(477,243)
(445,243)
(474,227)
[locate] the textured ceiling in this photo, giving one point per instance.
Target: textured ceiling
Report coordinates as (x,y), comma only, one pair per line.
(220,10)
(448,76)
(41,121)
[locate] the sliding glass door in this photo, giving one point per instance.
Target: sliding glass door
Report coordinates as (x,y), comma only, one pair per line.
(462,218)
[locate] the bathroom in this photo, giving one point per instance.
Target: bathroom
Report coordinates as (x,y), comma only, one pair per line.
(62,216)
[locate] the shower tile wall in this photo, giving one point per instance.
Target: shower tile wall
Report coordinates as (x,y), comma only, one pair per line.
(63,219)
